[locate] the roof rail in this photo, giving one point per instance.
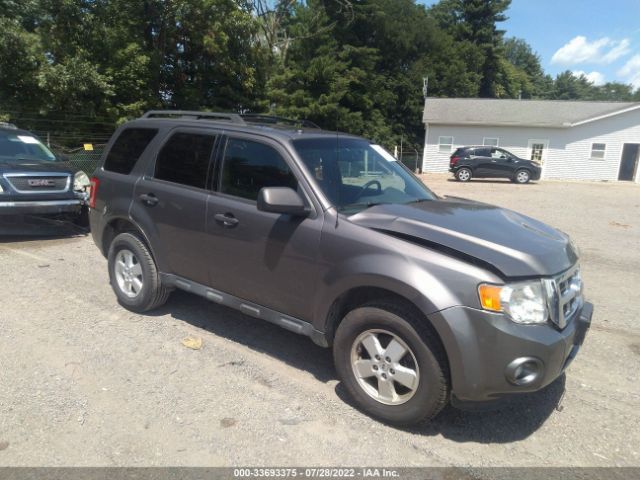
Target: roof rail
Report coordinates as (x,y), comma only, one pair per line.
(275,120)
(241,119)
(224,117)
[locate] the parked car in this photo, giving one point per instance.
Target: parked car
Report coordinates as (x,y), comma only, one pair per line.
(492,162)
(34,181)
(425,300)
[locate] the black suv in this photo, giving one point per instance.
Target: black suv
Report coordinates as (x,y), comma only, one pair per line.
(34,181)
(492,162)
(424,299)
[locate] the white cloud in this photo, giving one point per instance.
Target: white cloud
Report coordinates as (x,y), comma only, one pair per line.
(620,50)
(631,71)
(580,50)
(594,77)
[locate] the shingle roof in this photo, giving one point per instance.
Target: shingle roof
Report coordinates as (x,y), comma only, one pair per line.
(533,113)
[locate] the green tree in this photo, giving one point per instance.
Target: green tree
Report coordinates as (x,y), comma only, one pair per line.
(359,67)
(475,21)
(568,86)
(21,58)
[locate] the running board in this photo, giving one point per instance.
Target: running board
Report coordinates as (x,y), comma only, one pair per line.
(287,322)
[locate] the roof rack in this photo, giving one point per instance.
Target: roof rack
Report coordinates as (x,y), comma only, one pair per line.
(225,117)
(241,119)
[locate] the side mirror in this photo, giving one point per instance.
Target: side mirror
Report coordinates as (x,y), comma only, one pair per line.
(282,200)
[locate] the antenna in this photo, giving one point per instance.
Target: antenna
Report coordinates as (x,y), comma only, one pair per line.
(425,86)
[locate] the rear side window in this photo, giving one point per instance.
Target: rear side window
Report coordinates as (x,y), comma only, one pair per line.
(249,166)
(127,149)
(184,159)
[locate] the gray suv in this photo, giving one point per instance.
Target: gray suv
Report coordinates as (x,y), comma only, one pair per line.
(424,300)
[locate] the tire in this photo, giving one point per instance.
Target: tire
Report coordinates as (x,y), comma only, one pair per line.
(390,322)
(151,294)
(522,176)
(463,175)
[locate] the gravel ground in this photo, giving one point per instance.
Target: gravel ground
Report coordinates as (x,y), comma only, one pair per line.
(86,383)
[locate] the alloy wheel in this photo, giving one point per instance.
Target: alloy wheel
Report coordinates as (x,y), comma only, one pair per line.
(522,176)
(464,175)
(385,367)
(128,273)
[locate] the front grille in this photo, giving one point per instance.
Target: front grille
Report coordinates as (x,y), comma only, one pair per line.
(39,183)
(564,294)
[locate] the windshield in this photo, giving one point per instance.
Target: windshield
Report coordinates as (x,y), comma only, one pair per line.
(16,147)
(355,174)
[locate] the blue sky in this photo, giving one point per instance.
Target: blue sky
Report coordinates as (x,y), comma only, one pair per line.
(600,38)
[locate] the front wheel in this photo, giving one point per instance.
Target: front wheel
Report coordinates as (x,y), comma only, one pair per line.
(522,176)
(391,364)
(463,175)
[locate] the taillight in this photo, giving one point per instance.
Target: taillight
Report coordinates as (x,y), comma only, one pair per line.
(453,160)
(95,183)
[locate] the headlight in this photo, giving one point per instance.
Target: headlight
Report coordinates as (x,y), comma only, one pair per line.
(81,181)
(523,302)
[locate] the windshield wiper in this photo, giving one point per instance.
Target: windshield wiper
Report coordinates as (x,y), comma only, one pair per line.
(363,205)
(419,200)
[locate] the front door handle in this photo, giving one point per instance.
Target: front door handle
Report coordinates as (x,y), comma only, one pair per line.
(227,219)
(149,199)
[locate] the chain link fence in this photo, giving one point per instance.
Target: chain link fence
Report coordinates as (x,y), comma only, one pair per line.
(85,160)
(411,160)
(76,138)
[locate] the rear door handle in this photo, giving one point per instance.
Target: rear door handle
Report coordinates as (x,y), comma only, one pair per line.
(227,219)
(149,199)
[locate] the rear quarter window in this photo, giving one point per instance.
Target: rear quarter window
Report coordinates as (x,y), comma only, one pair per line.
(128,148)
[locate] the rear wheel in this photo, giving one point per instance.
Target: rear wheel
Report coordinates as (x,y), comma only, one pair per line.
(463,175)
(133,274)
(522,176)
(391,365)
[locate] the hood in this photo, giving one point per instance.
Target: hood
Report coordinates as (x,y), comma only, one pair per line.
(513,244)
(27,166)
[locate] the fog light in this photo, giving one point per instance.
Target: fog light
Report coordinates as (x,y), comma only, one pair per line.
(524,371)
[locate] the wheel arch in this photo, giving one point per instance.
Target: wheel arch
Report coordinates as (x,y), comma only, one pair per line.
(362,295)
(118,225)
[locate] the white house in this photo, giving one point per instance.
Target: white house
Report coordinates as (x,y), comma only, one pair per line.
(572,140)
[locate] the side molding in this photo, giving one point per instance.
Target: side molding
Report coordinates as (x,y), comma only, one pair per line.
(287,322)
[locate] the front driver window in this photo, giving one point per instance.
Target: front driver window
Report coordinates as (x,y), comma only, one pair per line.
(498,153)
(249,166)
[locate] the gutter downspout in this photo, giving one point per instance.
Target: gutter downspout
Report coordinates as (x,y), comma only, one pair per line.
(426,144)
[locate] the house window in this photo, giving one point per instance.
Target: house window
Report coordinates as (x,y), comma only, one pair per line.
(597,150)
(491,142)
(445,144)
(537,150)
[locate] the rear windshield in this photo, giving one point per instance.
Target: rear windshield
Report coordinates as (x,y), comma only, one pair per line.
(127,149)
(16,147)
